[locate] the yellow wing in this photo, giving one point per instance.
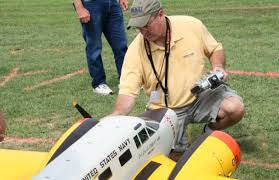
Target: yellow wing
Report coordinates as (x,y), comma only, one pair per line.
(20,165)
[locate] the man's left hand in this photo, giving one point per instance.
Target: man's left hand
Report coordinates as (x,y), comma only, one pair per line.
(220,69)
(124,4)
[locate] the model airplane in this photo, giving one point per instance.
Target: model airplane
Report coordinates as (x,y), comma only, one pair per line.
(124,147)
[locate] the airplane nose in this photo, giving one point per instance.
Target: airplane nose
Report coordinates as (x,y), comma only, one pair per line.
(231,143)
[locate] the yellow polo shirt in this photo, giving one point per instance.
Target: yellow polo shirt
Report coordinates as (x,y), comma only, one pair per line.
(191,43)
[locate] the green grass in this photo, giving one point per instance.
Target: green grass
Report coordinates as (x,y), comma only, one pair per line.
(47,36)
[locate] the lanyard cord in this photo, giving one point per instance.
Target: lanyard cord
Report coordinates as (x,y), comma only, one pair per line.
(167,53)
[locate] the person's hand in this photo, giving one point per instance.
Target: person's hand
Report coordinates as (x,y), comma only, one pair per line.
(124,4)
(83,14)
(221,69)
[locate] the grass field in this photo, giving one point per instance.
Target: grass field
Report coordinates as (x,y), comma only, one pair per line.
(43,69)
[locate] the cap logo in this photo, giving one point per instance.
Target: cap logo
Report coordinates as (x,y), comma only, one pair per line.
(136,10)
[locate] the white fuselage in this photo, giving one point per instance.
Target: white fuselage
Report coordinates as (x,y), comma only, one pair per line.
(116,147)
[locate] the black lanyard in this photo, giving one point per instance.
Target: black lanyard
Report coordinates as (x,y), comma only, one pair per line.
(167,54)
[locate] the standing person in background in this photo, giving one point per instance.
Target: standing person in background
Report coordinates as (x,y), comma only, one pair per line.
(2,127)
(166,59)
(97,17)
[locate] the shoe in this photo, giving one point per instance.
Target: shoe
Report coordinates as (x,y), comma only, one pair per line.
(175,156)
(103,89)
(207,129)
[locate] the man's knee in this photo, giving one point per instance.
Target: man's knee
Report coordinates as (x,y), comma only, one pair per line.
(120,48)
(233,108)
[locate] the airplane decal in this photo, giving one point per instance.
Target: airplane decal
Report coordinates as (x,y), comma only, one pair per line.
(168,120)
(91,175)
(124,144)
(109,157)
(149,148)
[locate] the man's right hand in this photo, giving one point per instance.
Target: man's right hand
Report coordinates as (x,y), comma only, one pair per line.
(124,105)
(83,14)
(124,4)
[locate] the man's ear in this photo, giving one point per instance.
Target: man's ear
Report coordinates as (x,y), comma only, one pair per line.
(161,13)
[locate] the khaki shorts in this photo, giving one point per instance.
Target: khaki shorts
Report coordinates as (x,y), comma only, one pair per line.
(203,110)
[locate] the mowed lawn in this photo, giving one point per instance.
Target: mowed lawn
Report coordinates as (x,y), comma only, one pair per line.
(43,69)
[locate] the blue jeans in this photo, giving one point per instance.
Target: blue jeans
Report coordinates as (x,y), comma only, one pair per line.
(105,17)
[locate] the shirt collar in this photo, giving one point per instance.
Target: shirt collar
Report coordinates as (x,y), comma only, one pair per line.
(175,36)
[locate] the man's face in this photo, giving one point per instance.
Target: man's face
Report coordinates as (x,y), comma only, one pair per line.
(152,31)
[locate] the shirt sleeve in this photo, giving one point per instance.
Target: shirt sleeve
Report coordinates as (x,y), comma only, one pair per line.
(131,73)
(210,45)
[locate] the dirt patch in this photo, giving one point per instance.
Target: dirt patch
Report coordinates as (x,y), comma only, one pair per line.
(9,77)
(16,51)
(260,165)
(61,78)
(30,73)
(28,140)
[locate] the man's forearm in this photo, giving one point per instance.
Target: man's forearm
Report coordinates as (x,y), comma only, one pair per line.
(124,105)
(77,4)
(218,63)
(217,59)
